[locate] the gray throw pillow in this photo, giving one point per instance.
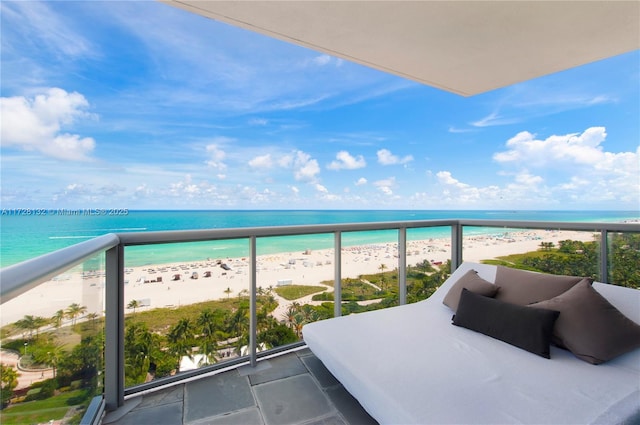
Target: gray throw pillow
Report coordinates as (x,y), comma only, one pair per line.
(523,327)
(524,287)
(590,326)
(474,283)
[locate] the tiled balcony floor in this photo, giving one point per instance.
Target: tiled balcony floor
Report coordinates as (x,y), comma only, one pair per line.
(294,388)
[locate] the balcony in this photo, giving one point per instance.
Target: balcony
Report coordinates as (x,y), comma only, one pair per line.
(243,376)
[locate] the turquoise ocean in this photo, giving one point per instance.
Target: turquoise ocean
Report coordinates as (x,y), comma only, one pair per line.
(24,236)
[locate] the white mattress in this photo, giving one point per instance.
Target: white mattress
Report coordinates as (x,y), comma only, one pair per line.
(409,365)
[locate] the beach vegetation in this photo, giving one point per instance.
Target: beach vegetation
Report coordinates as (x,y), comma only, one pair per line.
(56,319)
(74,310)
(294,292)
(181,338)
(133,304)
(32,324)
(8,381)
(43,411)
(578,258)
(277,335)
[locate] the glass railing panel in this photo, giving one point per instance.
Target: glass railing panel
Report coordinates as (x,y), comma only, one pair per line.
(294,286)
(186,307)
(52,347)
(428,261)
(369,270)
(554,251)
(624,259)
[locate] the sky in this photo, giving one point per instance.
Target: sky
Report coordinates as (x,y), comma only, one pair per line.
(140,105)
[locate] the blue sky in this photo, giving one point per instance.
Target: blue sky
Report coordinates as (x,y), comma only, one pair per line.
(143,106)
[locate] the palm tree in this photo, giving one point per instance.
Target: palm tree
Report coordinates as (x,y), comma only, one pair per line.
(57,318)
(54,354)
(382,267)
(298,323)
(31,323)
(26,324)
(75,310)
(181,338)
(289,316)
(138,346)
(93,317)
(133,304)
(39,322)
(208,342)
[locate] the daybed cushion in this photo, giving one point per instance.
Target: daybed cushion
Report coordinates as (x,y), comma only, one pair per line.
(525,287)
(409,365)
(471,281)
(593,329)
(523,327)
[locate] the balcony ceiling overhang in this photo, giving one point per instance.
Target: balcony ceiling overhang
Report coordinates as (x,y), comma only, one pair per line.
(464,47)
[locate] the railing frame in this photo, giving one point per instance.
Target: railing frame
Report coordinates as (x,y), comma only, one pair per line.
(19,278)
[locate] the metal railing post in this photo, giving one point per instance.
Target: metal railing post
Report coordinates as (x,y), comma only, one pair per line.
(337,281)
(402,265)
(114,328)
(253,324)
(604,254)
(456,245)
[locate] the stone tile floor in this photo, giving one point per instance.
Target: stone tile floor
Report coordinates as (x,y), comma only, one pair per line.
(294,388)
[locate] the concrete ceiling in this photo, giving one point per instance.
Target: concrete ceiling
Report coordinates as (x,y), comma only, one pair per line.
(465,47)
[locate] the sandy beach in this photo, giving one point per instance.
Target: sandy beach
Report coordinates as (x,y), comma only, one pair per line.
(170,285)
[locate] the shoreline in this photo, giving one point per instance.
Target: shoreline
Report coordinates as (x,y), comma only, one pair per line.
(174,284)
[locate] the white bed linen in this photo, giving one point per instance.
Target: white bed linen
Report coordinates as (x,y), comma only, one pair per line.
(410,365)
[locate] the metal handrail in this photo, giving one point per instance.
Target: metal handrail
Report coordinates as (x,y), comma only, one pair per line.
(172,236)
(22,277)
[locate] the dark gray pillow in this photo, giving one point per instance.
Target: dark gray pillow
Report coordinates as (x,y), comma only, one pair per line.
(523,327)
(590,326)
(474,283)
(524,287)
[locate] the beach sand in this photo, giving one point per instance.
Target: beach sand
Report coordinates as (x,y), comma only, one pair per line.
(302,268)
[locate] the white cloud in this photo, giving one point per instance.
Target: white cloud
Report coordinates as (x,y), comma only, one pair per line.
(583,149)
(344,161)
(216,157)
(361,181)
(385,157)
(321,188)
(142,191)
(39,22)
(446,178)
(305,168)
(570,169)
(36,124)
(262,161)
(528,179)
(321,60)
(494,119)
(583,171)
(385,185)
